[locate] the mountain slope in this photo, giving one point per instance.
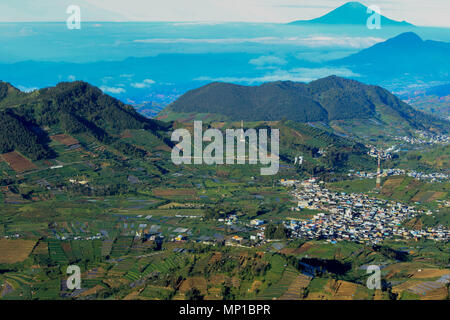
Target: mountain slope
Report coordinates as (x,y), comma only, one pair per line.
(328,99)
(405,55)
(8,91)
(351,13)
(266,102)
(71,108)
(434,100)
(17,134)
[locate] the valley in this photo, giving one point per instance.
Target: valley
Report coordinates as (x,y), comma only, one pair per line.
(108,198)
(182,152)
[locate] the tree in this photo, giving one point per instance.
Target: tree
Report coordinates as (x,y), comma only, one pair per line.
(278,232)
(227,294)
(193,294)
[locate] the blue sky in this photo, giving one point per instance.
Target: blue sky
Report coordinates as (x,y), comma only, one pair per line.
(419,12)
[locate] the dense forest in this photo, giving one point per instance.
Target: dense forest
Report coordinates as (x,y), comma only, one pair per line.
(71,108)
(327,99)
(15,134)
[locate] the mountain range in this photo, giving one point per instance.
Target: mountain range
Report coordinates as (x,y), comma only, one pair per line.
(406,59)
(29,122)
(405,55)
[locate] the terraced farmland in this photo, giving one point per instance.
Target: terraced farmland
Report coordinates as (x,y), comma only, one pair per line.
(295,290)
(278,289)
(164,265)
(56,252)
(121,246)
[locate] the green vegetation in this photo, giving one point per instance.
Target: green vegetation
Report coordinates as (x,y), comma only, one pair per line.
(102,193)
(276,232)
(326,99)
(71,108)
(16,134)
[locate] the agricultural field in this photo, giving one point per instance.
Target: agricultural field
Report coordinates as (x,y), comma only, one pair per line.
(140,228)
(245,273)
(407,189)
(13,251)
(65,139)
(297,288)
(355,185)
(18,162)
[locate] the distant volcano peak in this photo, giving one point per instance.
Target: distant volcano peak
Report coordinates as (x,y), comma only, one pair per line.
(350,13)
(353,5)
(407,36)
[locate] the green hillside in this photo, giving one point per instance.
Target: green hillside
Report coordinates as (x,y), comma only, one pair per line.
(70,108)
(325,100)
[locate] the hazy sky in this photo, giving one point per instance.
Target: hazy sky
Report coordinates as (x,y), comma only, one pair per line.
(419,12)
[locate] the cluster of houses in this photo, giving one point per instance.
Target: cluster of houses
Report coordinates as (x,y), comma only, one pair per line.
(434,138)
(354,217)
(425,138)
(12,236)
(375,153)
(432,177)
(81,182)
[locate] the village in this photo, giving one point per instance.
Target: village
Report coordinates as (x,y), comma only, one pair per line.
(432,177)
(354,217)
(425,138)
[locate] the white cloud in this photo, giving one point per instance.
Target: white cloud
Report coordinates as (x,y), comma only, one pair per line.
(297,74)
(113,90)
(352,42)
(27,89)
(319,41)
(105,80)
(267,61)
(206,40)
(26,32)
(144,84)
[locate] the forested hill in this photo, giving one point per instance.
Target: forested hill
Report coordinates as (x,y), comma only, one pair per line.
(74,107)
(327,99)
(7,90)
